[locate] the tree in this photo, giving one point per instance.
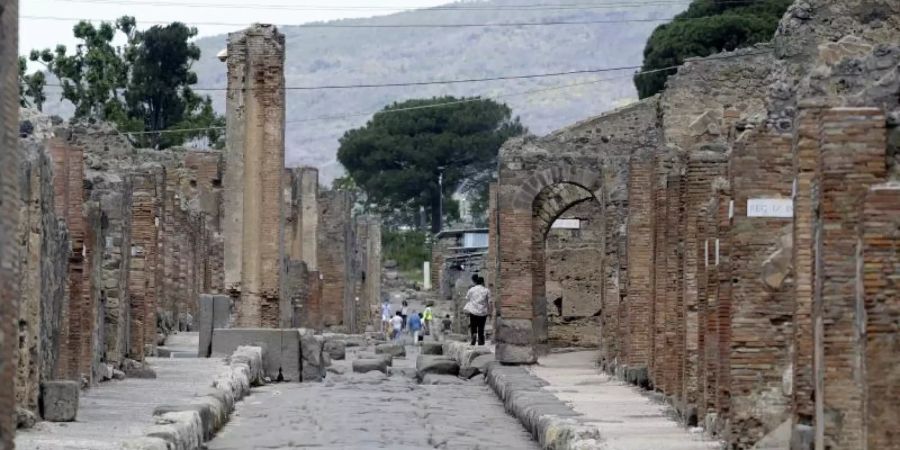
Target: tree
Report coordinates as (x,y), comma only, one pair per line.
(143,85)
(707,27)
(31,86)
(400,155)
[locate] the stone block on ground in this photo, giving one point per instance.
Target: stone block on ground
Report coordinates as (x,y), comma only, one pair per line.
(456,337)
(315,361)
(475,366)
(59,400)
(393,349)
(432,348)
(336,349)
(436,379)
(368,365)
(441,365)
(25,418)
(214,311)
(281,348)
(137,369)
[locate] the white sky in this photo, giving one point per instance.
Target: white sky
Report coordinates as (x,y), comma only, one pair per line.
(34,33)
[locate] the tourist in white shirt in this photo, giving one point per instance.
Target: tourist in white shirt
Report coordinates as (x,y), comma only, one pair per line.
(478,306)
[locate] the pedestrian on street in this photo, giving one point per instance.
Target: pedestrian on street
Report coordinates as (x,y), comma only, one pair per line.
(446,324)
(415,327)
(478,306)
(386,316)
(428,318)
(404,311)
(397,326)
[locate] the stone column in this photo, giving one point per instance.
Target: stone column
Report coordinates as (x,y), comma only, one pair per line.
(9,213)
(254,225)
(640,254)
(852,158)
(334,237)
(878,298)
(762,308)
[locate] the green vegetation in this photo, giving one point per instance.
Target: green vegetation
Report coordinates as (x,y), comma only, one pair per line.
(398,157)
(707,27)
(143,85)
(409,248)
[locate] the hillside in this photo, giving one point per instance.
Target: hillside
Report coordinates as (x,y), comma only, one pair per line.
(317,56)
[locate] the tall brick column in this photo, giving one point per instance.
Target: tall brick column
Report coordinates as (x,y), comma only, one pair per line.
(878,281)
(703,167)
(253,175)
(9,213)
(762,305)
(640,254)
(334,239)
(852,158)
(144,256)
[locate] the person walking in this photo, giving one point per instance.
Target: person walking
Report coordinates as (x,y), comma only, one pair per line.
(404,312)
(386,316)
(478,306)
(397,326)
(428,318)
(415,326)
(446,325)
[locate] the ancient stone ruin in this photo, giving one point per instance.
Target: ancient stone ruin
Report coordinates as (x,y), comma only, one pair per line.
(742,228)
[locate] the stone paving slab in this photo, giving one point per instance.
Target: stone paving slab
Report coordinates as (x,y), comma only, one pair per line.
(117,411)
(626,417)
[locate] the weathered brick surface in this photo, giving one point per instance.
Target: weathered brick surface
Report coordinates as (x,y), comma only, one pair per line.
(254,193)
(878,282)
(762,307)
(70,198)
(335,242)
(144,256)
(851,158)
(703,167)
(662,166)
(675,293)
(640,255)
(805,153)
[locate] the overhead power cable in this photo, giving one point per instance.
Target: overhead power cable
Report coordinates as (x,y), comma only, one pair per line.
(460,7)
(373,26)
(462,101)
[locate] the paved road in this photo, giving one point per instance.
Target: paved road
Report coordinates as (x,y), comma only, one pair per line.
(369,411)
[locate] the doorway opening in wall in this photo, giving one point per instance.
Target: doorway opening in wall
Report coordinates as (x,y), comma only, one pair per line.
(569,241)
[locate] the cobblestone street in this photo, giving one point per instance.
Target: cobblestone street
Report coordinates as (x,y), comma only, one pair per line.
(365,411)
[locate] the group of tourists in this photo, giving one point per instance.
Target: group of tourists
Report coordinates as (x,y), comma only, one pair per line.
(420,324)
(409,322)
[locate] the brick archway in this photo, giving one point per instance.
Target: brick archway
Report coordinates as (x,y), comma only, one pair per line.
(526,211)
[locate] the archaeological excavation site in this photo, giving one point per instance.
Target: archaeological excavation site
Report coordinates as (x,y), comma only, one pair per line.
(713,265)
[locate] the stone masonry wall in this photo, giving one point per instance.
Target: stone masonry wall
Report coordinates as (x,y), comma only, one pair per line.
(572,278)
(9,208)
(878,300)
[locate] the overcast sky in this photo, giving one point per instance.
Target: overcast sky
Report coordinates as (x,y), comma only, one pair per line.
(41,33)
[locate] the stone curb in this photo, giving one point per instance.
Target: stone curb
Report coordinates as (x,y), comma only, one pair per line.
(555,425)
(188,426)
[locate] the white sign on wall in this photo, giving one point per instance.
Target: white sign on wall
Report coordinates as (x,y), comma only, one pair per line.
(567,224)
(770,207)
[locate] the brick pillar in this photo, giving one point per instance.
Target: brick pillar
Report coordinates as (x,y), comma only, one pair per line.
(722,256)
(640,260)
(9,214)
(879,283)
(805,153)
(334,255)
(852,158)
(68,186)
(144,256)
(255,166)
(762,307)
(660,279)
(674,292)
(716,213)
(703,167)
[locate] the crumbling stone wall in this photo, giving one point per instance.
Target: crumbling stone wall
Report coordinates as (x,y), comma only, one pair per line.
(573,283)
(367,273)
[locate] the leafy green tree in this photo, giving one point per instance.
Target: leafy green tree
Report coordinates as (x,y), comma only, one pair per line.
(143,85)
(400,155)
(705,28)
(31,86)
